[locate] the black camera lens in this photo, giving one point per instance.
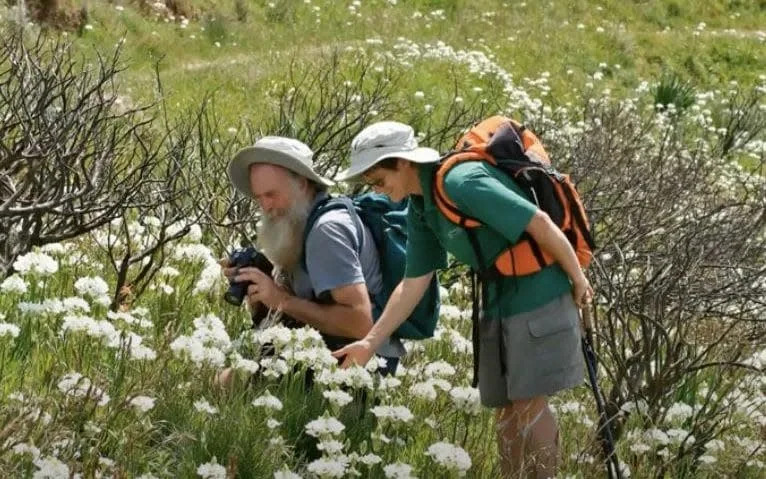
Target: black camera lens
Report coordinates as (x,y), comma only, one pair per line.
(236,292)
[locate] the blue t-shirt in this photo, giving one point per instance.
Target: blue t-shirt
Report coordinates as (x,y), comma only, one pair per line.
(340,251)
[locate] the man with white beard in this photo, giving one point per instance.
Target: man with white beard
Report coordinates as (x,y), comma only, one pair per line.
(331,290)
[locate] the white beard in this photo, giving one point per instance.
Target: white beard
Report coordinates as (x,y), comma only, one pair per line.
(280,236)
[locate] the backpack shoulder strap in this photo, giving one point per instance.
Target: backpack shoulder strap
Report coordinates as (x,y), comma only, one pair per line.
(445,204)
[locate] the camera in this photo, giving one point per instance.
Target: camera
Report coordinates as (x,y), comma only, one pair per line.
(248,257)
(251,257)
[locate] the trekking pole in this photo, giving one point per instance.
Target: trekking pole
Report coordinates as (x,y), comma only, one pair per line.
(605,428)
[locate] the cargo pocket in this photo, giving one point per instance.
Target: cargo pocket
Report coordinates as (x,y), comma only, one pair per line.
(553,342)
(543,326)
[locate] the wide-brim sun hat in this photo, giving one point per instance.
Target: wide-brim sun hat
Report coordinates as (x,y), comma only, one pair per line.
(288,153)
(386,139)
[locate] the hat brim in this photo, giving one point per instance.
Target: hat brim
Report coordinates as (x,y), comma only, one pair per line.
(367,159)
(239,167)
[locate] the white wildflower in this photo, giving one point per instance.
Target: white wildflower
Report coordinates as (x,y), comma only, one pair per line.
(329,467)
(211,331)
(24,448)
(202,405)
(169,271)
(286,475)
(194,252)
(715,445)
(324,426)
(398,470)
(268,401)
(423,391)
(331,447)
(104,300)
(241,364)
(14,284)
(392,413)
(439,369)
(75,303)
(50,305)
(315,357)
(680,435)
(77,385)
(449,311)
(639,447)
(36,263)
(679,411)
(278,335)
(657,436)
(211,470)
(442,384)
(8,329)
(389,383)
(370,459)
(186,346)
(466,399)
(50,468)
(142,403)
(209,278)
(274,368)
(337,397)
(91,286)
(375,363)
(357,377)
(272,423)
(128,318)
(96,329)
(450,457)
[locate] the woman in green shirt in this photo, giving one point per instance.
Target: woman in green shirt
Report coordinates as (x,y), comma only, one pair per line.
(529,332)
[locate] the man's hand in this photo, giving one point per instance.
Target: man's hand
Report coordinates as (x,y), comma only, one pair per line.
(263,289)
(228,270)
(358,352)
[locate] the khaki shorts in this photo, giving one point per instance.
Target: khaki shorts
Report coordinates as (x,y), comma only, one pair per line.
(536,353)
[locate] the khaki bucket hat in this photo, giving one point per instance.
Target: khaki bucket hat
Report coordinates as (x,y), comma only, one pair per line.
(385,139)
(288,153)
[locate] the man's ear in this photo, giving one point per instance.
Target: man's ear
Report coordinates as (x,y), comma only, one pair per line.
(306,184)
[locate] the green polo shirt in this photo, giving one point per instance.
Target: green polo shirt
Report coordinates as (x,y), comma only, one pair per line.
(489,195)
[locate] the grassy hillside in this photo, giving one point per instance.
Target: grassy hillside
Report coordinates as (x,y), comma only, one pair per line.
(237,48)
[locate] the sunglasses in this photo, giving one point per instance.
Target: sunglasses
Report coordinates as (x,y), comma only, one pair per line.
(374,182)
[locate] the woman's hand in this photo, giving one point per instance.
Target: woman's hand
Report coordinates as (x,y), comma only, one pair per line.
(582,292)
(358,352)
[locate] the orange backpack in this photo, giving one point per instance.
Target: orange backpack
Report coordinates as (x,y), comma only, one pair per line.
(514,149)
